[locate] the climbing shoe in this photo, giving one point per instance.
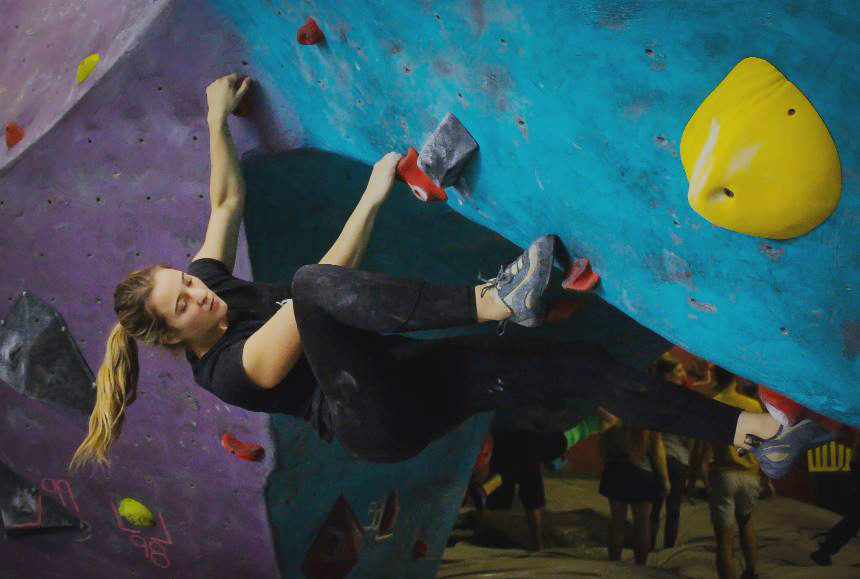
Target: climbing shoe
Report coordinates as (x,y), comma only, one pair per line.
(521,284)
(778,453)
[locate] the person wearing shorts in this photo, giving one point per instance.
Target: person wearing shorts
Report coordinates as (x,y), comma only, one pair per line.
(734,487)
(517,455)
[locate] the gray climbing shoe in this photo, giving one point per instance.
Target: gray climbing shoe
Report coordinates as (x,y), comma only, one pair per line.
(776,454)
(521,284)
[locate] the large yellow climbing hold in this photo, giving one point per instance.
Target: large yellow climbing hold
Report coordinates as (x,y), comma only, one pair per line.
(136,513)
(86,67)
(758,157)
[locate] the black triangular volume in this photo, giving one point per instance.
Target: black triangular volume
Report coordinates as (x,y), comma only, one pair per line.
(40,359)
(26,511)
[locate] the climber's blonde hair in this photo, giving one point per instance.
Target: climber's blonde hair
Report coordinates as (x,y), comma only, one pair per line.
(116,382)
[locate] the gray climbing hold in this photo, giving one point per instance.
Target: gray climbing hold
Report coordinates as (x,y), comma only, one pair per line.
(447,152)
(39,357)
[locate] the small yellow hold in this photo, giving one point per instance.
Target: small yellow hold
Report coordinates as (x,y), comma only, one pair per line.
(758,157)
(86,67)
(136,513)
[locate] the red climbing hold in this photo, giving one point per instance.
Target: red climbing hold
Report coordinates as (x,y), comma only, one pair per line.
(243,450)
(337,547)
(420,549)
(484,454)
(579,276)
(14,134)
(310,33)
(422,186)
(243,109)
(389,516)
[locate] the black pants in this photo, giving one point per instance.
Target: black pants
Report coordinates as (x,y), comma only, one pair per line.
(389,395)
(677,478)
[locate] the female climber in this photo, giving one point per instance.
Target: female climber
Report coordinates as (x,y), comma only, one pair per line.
(327,348)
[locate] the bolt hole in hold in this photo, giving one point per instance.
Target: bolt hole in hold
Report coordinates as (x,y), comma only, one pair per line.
(728,192)
(791,112)
(783,331)
(649,52)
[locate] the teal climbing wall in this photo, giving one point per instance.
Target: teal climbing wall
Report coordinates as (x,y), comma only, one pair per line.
(579,108)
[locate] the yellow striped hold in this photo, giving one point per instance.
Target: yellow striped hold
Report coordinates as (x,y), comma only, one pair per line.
(830,457)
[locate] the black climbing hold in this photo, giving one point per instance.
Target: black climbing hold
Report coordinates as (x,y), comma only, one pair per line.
(40,359)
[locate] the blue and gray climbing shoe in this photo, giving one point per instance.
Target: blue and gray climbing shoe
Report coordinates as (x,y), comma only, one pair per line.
(778,453)
(521,284)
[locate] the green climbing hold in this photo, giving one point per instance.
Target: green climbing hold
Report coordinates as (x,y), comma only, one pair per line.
(86,67)
(136,513)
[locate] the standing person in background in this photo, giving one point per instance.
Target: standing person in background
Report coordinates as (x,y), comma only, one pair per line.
(630,458)
(516,460)
(840,534)
(734,486)
(677,450)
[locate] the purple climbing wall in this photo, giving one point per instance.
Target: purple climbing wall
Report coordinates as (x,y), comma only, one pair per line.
(112,175)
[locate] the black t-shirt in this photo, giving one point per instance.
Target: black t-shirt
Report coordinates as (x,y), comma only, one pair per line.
(220,370)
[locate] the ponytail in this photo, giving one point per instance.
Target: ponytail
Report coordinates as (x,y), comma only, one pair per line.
(116,387)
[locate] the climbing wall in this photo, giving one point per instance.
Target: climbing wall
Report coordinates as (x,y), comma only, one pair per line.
(111,174)
(578,109)
(104,169)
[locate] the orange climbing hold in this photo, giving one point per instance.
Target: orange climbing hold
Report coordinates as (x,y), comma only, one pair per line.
(243,450)
(14,134)
(422,186)
(579,276)
(310,33)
